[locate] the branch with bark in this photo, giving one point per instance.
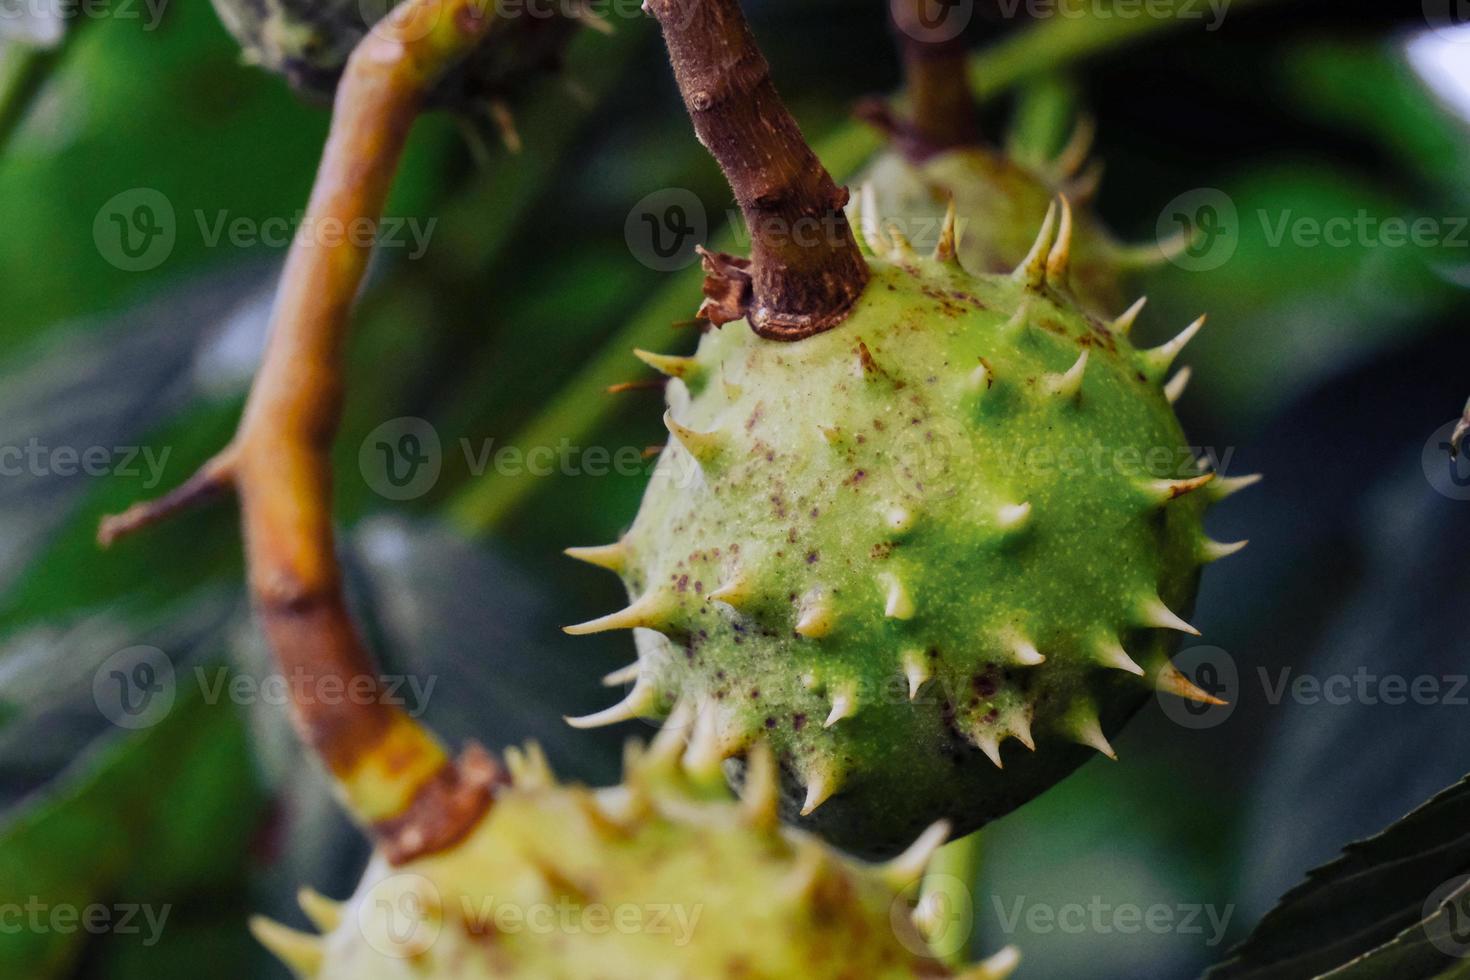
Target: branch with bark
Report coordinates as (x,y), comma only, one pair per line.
(392,773)
(805,271)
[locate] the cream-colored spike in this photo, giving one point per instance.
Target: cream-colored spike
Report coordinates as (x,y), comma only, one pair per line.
(998,966)
(903,249)
(799,884)
(323,912)
(613,557)
(1032,270)
(871,222)
(1151,255)
(1083,727)
(1110,653)
(703,446)
(1020,322)
(639,702)
(817,617)
(898,603)
(821,784)
(844,704)
(736,592)
(302,953)
(760,797)
(1227,485)
(1059,259)
(1215,550)
(929,915)
(704,755)
(668,745)
(1067,386)
(1152,612)
(529,768)
(1123,326)
(633,754)
(1021,729)
(1160,492)
(1158,360)
(670,365)
(1174,390)
(947,250)
(1170,680)
(899,519)
(1074,155)
(505,122)
(622,675)
(916,671)
(610,810)
(980,379)
(988,744)
(1013,517)
(653,610)
(902,871)
(1023,652)
(1083,187)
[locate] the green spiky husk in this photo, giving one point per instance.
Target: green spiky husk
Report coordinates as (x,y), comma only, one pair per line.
(895,449)
(309,41)
(662,877)
(999,202)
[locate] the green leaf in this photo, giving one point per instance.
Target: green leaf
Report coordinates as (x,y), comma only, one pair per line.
(1393,907)
(104,815)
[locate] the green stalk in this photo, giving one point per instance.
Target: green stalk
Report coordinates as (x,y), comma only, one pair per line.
(949,885)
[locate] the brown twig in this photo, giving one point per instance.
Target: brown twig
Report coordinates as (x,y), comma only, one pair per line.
(805,270)
(393,774)
(941,106)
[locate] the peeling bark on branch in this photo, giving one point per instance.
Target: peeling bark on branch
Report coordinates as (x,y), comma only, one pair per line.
(805,268)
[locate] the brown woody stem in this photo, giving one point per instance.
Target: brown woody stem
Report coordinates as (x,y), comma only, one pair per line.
(393,773)
(805,270)
(941,106)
